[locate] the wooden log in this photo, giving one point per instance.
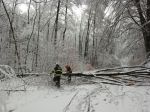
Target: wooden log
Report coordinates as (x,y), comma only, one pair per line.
(121,68)
(13,90)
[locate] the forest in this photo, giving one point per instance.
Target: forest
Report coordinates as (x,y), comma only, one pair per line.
(34,35)
(105,42)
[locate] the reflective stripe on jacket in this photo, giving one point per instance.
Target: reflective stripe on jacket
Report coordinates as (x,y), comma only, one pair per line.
(58,71)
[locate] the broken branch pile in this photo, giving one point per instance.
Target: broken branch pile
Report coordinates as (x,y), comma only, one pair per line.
(135,75)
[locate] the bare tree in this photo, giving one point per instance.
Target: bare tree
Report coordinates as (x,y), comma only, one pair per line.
(87,35)
(144,22)
(13,36)
(66,12)
(56,22)
(38,37)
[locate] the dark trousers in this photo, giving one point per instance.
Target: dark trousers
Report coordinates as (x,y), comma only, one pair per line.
(57,80)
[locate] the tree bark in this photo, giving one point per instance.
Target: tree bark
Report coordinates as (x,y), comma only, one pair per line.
(29,11)
(80,40)
(94,46)
(145,24)
(66,12)
(87,36)
(56,23)
(38,37)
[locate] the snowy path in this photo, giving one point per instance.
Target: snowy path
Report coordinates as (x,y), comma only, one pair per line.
(83,98)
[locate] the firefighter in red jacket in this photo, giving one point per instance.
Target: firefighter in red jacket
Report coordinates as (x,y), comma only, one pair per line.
(68,72)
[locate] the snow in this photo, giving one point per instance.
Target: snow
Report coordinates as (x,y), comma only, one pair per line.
(7,71)
(81,98)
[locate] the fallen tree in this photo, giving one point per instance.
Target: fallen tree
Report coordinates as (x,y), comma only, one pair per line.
(114,76)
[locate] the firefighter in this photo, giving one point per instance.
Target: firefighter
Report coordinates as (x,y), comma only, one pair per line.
(57,74)
(68,72)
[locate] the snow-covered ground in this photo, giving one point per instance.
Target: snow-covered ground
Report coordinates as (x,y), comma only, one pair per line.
(81,98)
(42,96)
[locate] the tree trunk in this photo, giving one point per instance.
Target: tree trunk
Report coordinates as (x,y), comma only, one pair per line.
(47,44)
(56,23)
(38,37)
(80,40)
(145,24)
(93,57)
(147,40)
(87,36)
(29,11)
(66,12)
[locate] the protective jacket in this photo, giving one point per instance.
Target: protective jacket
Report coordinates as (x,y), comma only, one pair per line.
(68,69)
(57,71)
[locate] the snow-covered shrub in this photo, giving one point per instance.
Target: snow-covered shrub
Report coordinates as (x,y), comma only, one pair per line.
(6,72)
